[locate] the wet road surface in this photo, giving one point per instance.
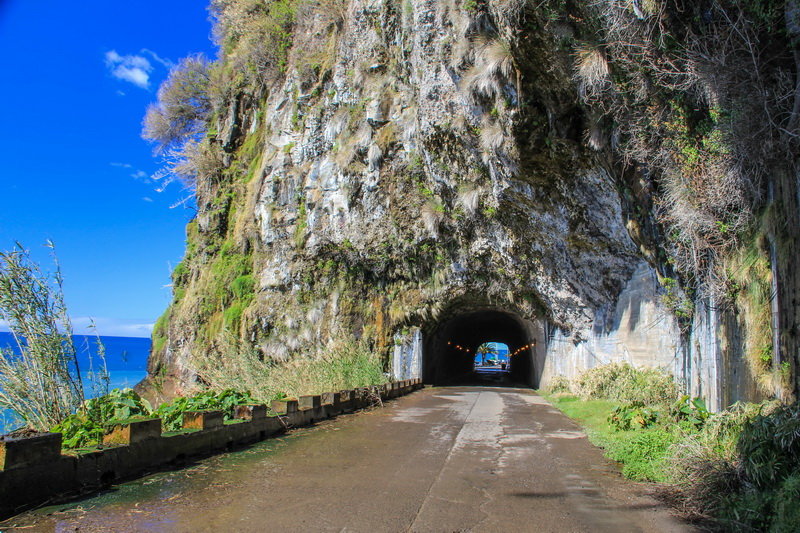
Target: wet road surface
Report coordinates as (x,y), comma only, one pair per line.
(442,459)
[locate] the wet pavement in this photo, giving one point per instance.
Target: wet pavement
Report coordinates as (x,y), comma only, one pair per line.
(442,459)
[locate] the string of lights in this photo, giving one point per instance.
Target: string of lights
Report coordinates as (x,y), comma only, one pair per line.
(517,351)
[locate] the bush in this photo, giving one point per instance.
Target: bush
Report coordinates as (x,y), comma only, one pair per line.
(87,426)
(183,105)
(769,446)
(177,123)
(624,383)
(559,384)
(742,469)
(632,416)
(171,413)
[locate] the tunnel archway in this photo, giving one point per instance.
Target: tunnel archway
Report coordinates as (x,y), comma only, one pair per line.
(449,349)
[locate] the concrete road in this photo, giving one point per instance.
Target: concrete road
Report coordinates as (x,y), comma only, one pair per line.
(442,459)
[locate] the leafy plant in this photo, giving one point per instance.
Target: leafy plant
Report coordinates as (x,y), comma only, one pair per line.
(87,426)
(632,416)
(171,413)
(690,410)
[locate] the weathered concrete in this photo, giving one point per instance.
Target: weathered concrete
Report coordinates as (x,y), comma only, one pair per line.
(445,459)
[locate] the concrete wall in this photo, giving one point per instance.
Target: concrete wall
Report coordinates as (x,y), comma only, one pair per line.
(34,470)
(407,355)
(709,363)
(637,330)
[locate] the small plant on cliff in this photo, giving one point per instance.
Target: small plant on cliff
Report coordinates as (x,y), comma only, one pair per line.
(177,122)
(41,379)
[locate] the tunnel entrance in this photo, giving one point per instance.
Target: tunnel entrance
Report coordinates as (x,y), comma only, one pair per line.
(449,351)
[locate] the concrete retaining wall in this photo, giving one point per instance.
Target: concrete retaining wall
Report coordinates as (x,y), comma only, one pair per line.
(34,470)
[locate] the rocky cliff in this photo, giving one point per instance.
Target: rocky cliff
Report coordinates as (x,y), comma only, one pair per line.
(616,178)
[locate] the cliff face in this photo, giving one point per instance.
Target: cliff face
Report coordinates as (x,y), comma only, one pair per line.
(378,169)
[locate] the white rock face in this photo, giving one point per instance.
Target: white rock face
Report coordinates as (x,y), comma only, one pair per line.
(433,164)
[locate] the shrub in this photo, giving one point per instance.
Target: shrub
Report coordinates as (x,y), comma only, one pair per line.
(87,426)
(632,416)
(625,383)
(171,413)
(559,384)
(769,446)
(743,468)
(177,122)
(183,105)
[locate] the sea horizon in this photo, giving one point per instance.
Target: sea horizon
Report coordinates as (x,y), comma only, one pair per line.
(126,360)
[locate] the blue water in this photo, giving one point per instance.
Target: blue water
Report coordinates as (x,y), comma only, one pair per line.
(126,358)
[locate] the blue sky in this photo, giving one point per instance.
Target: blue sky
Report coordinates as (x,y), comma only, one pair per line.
(75,80)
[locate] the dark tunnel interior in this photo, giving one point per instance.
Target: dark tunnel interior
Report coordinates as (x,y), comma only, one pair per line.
(449,350)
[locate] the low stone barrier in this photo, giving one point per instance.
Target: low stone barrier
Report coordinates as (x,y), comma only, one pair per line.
(34,470)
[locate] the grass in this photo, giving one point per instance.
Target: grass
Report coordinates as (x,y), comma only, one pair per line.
(736,470)
(346,366)
(642,453)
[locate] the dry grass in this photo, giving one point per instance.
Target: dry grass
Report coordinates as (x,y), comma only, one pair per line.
(751,275)
(492,136)
(432,217)
(493,66)
(344,365)
(374,157)
(41,382)
(469,198)
(591,70)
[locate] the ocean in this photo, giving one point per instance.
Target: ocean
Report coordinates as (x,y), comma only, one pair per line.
(126,358)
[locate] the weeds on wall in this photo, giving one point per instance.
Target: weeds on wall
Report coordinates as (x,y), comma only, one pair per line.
(89,424)
(701,100)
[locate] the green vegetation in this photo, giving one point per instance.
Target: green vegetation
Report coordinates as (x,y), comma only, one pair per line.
(346,366)
(88,426)
(171,413)
(41,383)
(738,469)
(750,285)
(624,383)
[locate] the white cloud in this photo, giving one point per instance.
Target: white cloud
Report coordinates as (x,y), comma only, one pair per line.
(147,199)
(112,327)
(165,62)
(121,165)
(131,68)
(140,175)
